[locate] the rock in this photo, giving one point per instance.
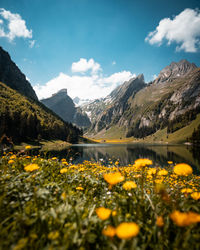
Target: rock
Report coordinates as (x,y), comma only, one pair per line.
(64,106)
(11,75)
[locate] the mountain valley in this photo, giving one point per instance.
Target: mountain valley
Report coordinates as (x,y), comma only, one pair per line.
(135,109)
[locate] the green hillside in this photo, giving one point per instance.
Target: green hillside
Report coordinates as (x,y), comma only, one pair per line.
(182,135)
(23,119)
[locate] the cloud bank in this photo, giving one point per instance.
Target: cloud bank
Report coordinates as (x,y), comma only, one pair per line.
(88,86)
(183,29)
(12,26)
(83,66)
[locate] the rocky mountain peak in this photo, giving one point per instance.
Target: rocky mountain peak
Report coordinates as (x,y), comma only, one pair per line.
(175,70)
(61,93)
(140,77)
(11,75)
(76,100)
(64,106)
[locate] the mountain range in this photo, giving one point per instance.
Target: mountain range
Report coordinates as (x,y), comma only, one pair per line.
(166,109)
(171,102)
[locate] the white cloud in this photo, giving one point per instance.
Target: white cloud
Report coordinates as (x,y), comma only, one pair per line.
(16,26)
(154,77)
(113,63)
(83,66)
(28,79)
(32,43)
(84,86)
(118,77)
(184,29)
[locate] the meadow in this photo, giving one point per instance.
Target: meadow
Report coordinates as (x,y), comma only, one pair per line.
(47,203)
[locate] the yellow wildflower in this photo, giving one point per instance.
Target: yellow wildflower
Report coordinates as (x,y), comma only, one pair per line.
(126,230)
(53,235)
(65,163)
(28,147)
(63,196)
(13,157)
(113,178)
(114,213)
(143,162)
(11,161)
(103,213)
(160,221)
(151,171)
(128,185)
(79,188)
(54,158)
(195,195)
(170,162)
(63,170)
(183,169)
(31,167)
(158,181)
(163,172)
(184,219)
(186,190)
(109,231)
(137,176)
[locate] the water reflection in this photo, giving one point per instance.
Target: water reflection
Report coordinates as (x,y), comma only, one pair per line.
(128,153)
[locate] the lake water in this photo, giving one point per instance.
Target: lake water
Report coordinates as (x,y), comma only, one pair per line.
(128,153)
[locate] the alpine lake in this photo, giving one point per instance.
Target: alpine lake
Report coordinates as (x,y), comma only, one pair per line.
(127,153)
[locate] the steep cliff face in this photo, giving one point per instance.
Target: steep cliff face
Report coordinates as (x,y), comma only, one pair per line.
(118,103)
(64,106)
(172,104)
(11,75)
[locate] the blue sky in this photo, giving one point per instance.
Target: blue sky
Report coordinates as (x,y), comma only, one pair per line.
(91,46)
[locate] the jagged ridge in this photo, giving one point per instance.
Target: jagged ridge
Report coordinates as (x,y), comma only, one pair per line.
(11,75)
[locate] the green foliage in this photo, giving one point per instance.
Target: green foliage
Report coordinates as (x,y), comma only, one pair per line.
(24,119)
(44,209)
(195,138)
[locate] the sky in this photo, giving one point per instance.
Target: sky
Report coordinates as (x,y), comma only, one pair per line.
(90,47)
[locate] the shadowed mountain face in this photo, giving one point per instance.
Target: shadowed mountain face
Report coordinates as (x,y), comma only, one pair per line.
(11,75)
(138,109)
(64,106)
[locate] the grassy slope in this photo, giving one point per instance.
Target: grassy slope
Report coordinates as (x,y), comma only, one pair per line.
(114,132)
(146,99)
(179,136)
